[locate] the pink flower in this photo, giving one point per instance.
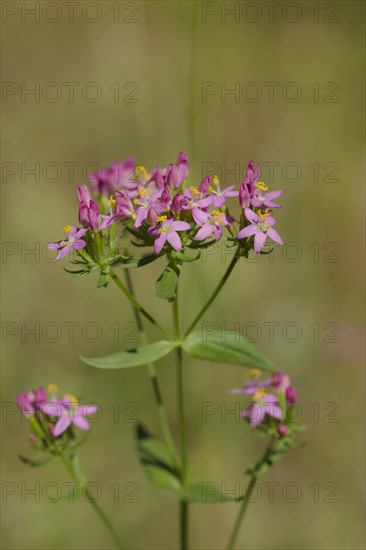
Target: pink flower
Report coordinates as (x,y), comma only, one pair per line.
(166,230)
(210,222)
(31,401)
(73,241)
(68,412)
(264,404)
(261,227)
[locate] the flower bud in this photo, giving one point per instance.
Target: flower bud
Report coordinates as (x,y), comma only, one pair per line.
(204,185)
(152,216)
(290,395)
(282,430)
(177,202)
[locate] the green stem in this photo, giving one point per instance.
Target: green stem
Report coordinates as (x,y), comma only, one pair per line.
(152,374)
(180,392)
(246,500)
(76,475)
(136,305)
(214,294)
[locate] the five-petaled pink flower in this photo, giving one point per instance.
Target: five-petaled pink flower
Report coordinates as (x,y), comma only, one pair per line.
(261,227)
(73,241)
(68,412)
(166,230)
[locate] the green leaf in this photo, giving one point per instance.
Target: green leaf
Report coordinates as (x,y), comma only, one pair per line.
(184,257)
(205,492)
(161,477)
(132,358)
(226,347)
(161,465)
(166,285)
(103,278)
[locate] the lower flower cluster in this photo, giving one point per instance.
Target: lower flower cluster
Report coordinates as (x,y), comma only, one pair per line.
(271,403)
(52,419)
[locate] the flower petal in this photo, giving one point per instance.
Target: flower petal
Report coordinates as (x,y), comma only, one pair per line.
(81,423)
(247,231)
(180,226)
(205,231)
(259,240)
(274,236)
(61,425)
(159,243)
(174,239)
(251,216)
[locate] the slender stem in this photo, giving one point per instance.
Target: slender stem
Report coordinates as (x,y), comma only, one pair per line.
(214,294)
(183,512)
(136,305)
(246,500)
(241,514)
(106,521)
(152,374)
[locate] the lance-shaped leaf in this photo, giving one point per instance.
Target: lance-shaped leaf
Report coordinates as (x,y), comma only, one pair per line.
(133,357)
(161,465)
(226,347)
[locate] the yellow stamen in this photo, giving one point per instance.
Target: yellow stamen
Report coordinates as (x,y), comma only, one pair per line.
(254,373)
(63,243)
(67,229)
(141,192)
(161,218)
(194,190)
(262,186)
(112,201)
(72,399)
(52,388)
(259,393)
(136,201)
(215,180)
(263,215)
(141,170)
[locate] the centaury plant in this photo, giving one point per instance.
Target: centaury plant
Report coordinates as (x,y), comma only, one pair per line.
(157,214)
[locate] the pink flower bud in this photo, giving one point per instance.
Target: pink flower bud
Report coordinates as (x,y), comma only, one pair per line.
(282,430)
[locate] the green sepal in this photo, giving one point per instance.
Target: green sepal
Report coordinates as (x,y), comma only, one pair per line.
(35,463)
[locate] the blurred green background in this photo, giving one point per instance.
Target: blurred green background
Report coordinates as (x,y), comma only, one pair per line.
(162,55)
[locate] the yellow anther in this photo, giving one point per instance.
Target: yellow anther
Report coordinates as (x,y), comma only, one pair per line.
(67,229)
(215,180)
(112,201)
(142,170)
(52,388)
(262,186)
(63,243)
(218,216)
(136,201)
(259,393)
(254,373)
(161,218)
(194,190)
(263,215)
(141,192)
(71,398)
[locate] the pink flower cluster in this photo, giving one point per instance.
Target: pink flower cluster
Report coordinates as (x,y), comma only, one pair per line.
(56,414)
(269,397)
(162,209)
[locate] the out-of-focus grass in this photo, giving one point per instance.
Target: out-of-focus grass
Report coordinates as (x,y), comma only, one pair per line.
(170,116)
